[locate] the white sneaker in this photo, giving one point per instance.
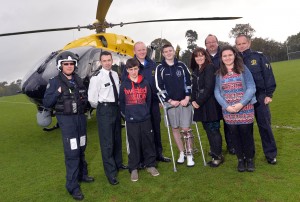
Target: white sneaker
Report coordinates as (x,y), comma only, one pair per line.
(181,158)
(190,161)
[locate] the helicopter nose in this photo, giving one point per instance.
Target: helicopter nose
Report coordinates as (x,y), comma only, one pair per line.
(35,87)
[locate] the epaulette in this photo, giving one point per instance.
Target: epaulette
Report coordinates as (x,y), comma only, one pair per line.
(96,73)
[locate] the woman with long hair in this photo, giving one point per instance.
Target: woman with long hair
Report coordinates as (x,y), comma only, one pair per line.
(235,92)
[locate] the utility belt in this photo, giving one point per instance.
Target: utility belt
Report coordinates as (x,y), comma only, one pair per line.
(107,104)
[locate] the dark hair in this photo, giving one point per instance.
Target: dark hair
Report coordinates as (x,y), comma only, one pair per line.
(132,62)
(105,53)
(166,46)
(195,53)
(238,64)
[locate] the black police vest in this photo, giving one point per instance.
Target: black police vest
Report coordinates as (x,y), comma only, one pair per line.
(73,98)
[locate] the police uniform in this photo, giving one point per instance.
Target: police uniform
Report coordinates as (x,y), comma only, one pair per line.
(70,106)
(101,96)
(265,86)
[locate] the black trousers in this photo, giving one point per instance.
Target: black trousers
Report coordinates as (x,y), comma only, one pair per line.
(263,119)
(227,135)
(109,129)
(214,137)
(141,144)
(73,128)
(243,141)
(156,119)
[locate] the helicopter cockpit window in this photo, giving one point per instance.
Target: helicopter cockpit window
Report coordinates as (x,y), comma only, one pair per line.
(96,62)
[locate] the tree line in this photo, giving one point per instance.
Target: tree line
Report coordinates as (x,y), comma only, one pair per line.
(10,89)
(275,51)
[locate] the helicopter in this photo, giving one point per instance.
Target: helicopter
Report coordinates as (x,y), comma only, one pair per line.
(88,48)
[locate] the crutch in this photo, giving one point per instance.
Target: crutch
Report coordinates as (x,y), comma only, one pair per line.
(169,134)
(196,125)
(127,143)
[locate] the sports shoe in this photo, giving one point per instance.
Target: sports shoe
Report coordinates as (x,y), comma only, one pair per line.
(153,171)
(181,158)
(134,175)
(241,165)
(190,161)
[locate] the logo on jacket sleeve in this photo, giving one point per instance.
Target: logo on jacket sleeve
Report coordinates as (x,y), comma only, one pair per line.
(253,62)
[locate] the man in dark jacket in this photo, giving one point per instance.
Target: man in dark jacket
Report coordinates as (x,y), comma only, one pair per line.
(147,69)
(265,83)
(67,94)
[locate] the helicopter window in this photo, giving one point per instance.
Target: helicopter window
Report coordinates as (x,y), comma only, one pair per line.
(103,41)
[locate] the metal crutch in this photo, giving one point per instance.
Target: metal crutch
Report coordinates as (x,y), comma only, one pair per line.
(196,125)
(169,134)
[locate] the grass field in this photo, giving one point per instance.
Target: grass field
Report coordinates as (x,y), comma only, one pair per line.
(32,162)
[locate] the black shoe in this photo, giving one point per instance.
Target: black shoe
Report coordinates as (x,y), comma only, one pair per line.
(272,161)
(215,162)
(86,178)
(163,159)
(241,165)
(123,167)
(250,165)
(231,151)
(113,181)
(77,195)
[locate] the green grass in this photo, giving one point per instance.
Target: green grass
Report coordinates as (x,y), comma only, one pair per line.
(32,162)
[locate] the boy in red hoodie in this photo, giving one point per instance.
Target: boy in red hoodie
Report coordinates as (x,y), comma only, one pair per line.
(135,102)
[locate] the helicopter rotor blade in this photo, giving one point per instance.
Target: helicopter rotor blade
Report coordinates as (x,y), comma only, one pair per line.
(103,6)
(174,20)
(48,30)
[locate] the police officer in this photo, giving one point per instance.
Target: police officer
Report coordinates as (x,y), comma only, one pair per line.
(67,94)
(265,86)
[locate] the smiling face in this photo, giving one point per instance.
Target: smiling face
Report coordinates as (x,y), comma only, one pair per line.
(228,57)
(211,44)
(169,53)
(68,67)
(200,59)
(140,51)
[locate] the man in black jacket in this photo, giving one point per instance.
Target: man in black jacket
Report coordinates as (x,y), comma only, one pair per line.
(67,94)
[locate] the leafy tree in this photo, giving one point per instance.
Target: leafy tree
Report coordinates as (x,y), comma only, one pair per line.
(157,44)
(242,29)
(223,43)
(186,57)
(293,43)
(274,50)
(191,37)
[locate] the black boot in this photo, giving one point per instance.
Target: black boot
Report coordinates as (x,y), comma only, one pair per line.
(241,165)
(250,165)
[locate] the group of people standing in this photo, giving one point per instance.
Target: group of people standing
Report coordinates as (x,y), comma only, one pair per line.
(233,85)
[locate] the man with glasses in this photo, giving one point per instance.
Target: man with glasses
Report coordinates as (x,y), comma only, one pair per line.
(67,94)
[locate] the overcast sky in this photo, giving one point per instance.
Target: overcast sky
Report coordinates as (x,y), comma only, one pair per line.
(271,19)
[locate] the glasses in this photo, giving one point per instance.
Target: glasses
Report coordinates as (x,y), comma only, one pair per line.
(213,42)
(67,64)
